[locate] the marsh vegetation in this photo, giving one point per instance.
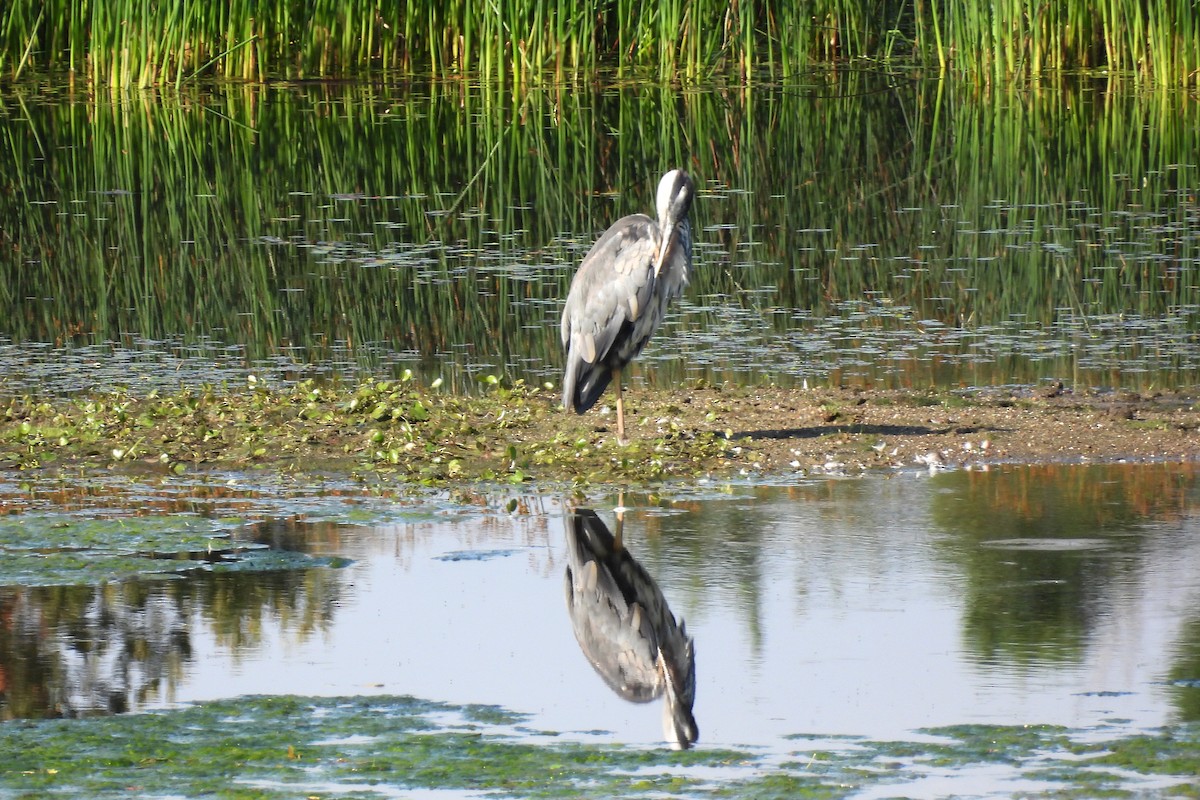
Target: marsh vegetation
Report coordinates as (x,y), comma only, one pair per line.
(525,41)
(278,385)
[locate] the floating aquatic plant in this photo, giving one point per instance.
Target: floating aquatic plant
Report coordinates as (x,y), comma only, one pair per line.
(45,549)
(510,433)
(283,746)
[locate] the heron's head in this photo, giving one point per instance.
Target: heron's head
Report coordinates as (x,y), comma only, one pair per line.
(675,192)
(677,666)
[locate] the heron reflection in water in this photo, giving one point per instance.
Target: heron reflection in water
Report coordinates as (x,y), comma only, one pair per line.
(619,296)
(625,627)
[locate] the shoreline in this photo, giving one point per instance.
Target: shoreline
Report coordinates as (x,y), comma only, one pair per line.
(399,431)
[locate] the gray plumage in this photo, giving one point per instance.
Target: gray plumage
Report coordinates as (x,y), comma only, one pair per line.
(620,294)
(625,627)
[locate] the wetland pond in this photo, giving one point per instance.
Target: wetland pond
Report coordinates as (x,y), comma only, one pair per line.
(973,632)
(341,231)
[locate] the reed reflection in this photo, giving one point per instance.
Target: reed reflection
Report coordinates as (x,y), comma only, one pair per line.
(625,627)
(88,650)
(1051,555)
(910,285)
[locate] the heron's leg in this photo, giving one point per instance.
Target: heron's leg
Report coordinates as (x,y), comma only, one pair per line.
(618,543)
(620,407)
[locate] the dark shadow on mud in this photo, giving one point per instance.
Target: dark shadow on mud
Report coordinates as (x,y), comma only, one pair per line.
(877,430)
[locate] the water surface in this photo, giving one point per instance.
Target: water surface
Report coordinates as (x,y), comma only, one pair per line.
(919,236)
(871,607)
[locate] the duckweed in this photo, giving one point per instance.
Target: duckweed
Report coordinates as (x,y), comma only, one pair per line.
(52,549)
(274,747)
(279,746)
(402,433)
(510,433)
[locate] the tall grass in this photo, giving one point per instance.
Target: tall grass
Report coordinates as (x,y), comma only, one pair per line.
(1147,41)
(144,42)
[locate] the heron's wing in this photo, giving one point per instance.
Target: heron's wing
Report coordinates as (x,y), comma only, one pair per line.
(614,286)
(614,631)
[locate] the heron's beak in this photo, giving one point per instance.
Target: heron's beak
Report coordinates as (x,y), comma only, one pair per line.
(668,230)
(679,726)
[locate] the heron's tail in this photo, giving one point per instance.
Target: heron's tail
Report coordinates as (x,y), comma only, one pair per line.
(583,382)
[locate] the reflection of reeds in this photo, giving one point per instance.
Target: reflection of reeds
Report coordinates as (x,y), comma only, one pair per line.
(522,41)
(1078,502)
(332,219)
(126,645)
(1035,603)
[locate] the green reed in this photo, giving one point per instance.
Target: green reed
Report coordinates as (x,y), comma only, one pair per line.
(333,225)
(1147,41)
(128,43)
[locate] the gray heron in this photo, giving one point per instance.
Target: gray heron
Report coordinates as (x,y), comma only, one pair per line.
(619,296)
(625,627)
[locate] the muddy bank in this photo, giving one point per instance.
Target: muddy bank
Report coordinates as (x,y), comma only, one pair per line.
(856,430)
(519,433)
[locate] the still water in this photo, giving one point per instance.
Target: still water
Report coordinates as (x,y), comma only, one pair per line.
(851,228)
(873,607)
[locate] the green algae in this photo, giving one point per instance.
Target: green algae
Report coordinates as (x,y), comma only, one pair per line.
(55,549)
(117,536)
(1168,752)
(369,747)
(279,744)
(63,569)
(967,744)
